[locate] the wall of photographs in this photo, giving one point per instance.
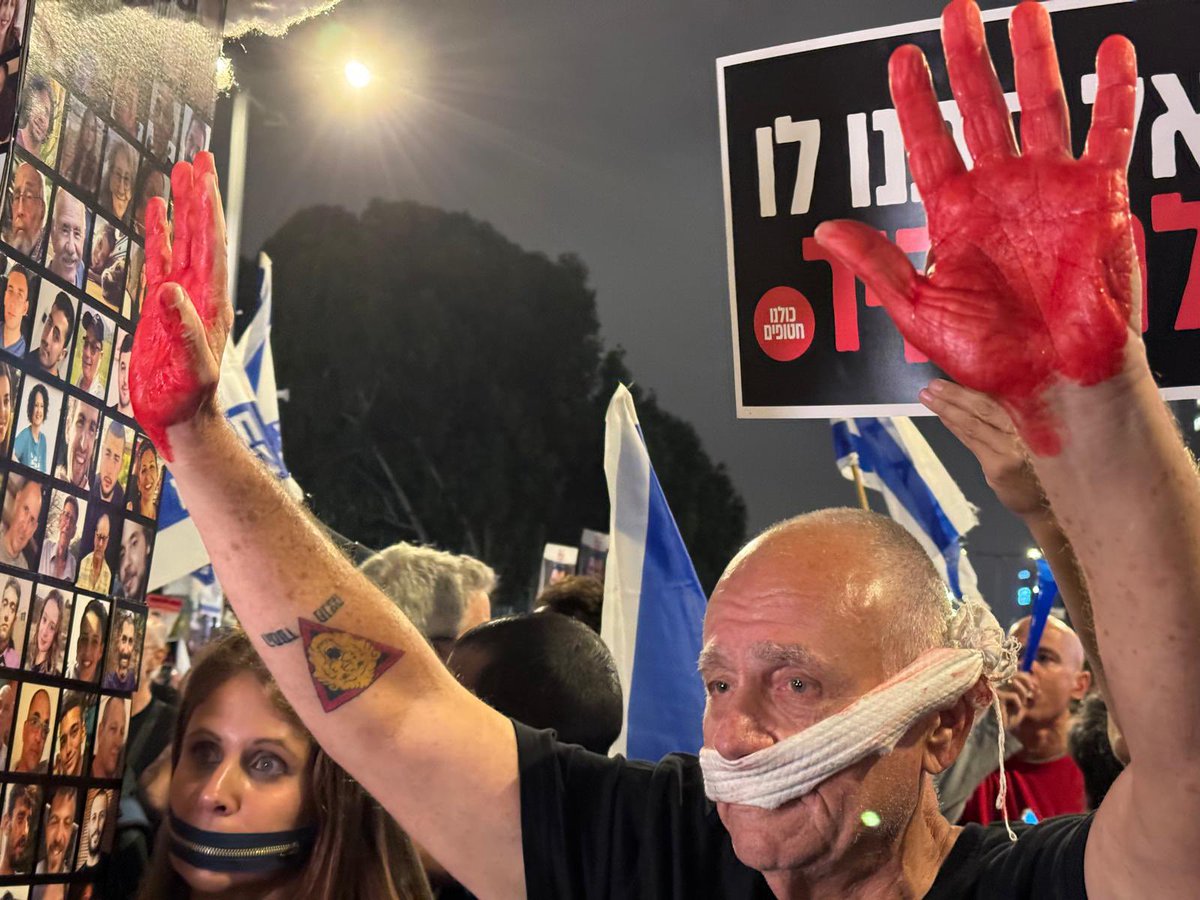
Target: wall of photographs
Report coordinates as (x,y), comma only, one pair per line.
(85,142)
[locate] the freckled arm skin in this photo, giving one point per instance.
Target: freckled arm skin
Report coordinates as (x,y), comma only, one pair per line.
(1028,298)
(440,761)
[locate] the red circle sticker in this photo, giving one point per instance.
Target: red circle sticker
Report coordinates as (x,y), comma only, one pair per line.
(783,324)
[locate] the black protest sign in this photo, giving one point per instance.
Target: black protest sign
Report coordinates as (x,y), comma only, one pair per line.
(809,134)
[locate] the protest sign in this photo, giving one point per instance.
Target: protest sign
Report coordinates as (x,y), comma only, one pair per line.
(809,133)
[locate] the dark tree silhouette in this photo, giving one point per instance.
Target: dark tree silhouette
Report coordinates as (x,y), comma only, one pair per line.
(448,387)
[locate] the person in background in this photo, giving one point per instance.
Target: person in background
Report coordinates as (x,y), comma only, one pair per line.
(246,774)
(443,594)
(1091,749)
(578,596)
(26,510)
(31,448)
(10,605)
(17,827)
(16,307)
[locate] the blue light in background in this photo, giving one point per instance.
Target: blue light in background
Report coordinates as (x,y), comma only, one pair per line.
(1024,574)
(1024,596)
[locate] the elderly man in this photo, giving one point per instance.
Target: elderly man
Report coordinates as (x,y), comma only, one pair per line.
(34,731)
(94,571)
(68,228)
(26,211)
(443,594)
(17,532)
(838,681)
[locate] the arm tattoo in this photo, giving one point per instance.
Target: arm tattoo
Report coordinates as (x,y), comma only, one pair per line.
(279,637)
(325,611)
(343,665)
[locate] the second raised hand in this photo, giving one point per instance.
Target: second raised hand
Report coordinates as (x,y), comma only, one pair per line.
(1033,266)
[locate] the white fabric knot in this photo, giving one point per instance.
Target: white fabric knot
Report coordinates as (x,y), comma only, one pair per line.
(973,627)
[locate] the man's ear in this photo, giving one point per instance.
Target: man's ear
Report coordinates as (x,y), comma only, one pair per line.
(1083,681)
(948,736)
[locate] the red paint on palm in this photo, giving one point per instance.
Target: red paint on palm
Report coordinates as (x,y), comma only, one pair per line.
(1032,266)
(174,368)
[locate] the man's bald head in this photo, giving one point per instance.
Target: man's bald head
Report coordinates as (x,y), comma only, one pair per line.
(887,574)
(1058,673)
(1057,634)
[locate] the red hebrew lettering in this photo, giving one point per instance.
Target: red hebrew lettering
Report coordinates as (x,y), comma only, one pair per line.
(845,297)
(1170,212)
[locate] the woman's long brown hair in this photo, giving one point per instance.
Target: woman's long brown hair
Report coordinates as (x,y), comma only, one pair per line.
(360,852)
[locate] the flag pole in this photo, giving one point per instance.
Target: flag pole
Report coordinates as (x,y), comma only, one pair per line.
(858,484)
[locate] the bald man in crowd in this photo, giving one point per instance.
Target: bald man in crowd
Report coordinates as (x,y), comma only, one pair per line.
(1042,777)
(819,621)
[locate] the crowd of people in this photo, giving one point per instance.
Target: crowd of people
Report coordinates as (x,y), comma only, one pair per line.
(373,732)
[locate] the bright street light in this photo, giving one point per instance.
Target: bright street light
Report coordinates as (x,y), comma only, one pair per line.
(357,74)
(1033,553)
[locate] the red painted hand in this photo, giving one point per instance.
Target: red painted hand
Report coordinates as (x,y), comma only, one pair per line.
(179,341)
(1032,271)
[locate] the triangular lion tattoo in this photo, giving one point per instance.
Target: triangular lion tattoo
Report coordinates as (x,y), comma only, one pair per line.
(343,665)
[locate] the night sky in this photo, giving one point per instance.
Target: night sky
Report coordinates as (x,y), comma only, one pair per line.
(588,128)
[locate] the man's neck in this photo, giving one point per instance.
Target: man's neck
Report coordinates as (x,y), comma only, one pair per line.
(1044,741)
(11,333)
(905,867)
(64,547)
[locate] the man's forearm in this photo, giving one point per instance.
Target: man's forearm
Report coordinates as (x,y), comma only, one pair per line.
(1126,493)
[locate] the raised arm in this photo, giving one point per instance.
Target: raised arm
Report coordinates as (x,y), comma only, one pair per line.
(369,688)
(1028,299)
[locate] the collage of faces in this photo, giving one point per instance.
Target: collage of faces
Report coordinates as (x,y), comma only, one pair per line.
(80,159)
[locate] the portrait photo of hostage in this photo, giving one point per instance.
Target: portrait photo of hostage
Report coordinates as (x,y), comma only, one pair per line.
(195,135)
(22,804)
(87,641)
(118,386)
(93,353)
(119,176)
(135,282)
(126,99)
(84,133)
(71,746)
(109,754)
(77,450)
(59,549)
(112,468)
(53,324)
(154,183)
(69,223)
(95,572)
(124,650)
(60,828)
(31,739)
(133,568)
(10,383)
(24,498)
(47,642)
(106,257)
(25,203)
(19,286)
(40,118)
(37,424)
(9,687)
(14,616)
(145,484)
(99,821)
(162,127)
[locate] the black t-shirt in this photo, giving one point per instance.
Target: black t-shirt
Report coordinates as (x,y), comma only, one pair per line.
(594,827)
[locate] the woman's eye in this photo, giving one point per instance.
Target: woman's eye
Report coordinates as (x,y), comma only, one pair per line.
(267,764)
(205,753)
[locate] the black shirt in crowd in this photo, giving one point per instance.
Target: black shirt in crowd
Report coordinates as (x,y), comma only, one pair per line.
(594,827)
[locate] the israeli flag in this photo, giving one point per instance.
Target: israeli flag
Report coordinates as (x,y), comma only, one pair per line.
(249,397)
(653,603)
(897,461)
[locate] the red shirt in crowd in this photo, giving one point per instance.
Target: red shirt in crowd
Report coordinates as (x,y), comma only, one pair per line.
(1048,789)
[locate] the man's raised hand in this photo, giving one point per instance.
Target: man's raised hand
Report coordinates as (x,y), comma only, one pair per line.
(1032,268)
(177,348)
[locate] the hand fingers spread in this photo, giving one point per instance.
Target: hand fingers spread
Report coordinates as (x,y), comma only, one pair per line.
(986,122)
(1110,140)
(933,156)
(879,263)
(158,246)
(1045,122)
(181,190)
